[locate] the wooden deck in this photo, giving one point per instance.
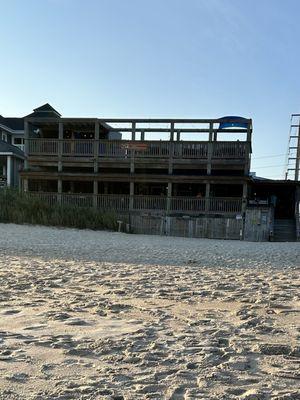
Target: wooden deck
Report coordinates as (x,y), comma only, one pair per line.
(122,149)
(119,203)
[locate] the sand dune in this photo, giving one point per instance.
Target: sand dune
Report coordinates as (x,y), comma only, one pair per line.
(99,315)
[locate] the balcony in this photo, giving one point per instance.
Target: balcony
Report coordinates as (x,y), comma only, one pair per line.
(161,204)
(123,149)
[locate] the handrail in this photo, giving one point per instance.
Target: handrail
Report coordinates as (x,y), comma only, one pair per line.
(297,219)
(121,202)
(138,149)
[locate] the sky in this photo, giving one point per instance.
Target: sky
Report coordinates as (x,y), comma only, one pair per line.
(157,58)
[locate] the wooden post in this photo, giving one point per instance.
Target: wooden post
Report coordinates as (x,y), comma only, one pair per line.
(96,146)
(171,152)
(245,197)
(169,197)
(60,145)
(9,171)
(95,194)
(172,132)
(249,131)
(142,135)
(207,197)
(133,130)
(209,157)
(131,198)
(59,190)
(178,136)
(132,154)
(211,130)
(26,144)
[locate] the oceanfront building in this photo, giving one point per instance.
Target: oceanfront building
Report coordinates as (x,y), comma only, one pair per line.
(11,150)
(187,177)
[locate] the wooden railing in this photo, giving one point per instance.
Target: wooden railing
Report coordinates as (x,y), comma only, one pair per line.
(138,149)
(297,219)
(113,202)
(120,202)
(187,204)
(149,202)
(43,147)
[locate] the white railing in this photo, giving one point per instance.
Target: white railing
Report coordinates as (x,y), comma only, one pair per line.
(137,149)
(144,203)
(149,202)
(113,202)
(225,205)
(187,204)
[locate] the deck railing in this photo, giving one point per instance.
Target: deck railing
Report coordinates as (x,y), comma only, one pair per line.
(191,205)
(149,202)
(138,149)
(182,204)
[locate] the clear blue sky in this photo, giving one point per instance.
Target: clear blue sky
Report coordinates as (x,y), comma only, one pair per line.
(157,58)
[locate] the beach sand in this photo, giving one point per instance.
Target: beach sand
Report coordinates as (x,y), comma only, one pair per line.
(102,315)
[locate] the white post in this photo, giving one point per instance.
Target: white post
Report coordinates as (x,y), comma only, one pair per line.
(9,171)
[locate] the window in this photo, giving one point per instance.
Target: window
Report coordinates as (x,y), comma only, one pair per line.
(4,137)
(18,140)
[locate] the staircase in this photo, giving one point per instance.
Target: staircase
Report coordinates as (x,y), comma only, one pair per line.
(284,230)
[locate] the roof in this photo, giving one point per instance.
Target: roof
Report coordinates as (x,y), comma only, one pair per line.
(259,179)
(9,148)
(16,124)
(45,111)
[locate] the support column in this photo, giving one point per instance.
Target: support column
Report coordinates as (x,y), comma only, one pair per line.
(209,157)
(9,171)
(207,197)
(59,190)
(211,130)
(245,196)
(96,146)
(178,136)
(60,145)
(142,135)
(131,193)
(95,194)
(169,197)
(132,161)
(26,144)
(172,132)
(133,131)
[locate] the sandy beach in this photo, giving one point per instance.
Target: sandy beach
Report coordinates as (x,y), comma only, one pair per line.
(103,315)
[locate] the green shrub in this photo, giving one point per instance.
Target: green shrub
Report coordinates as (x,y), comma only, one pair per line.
(22,208)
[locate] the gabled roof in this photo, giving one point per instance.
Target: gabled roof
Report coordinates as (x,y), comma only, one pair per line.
(9,148)
(46,111)
(46,107)
(16,124)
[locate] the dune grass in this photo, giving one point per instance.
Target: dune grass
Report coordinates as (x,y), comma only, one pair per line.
(21,208)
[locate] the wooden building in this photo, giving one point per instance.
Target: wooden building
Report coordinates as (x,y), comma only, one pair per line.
(124,165)
(186,177)
(11,150)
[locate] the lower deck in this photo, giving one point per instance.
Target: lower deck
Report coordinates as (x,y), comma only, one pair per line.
(138,203)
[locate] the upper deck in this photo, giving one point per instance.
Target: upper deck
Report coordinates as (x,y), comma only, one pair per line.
(142,141)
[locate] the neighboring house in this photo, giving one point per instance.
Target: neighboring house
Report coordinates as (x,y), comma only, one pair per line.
(11,150)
